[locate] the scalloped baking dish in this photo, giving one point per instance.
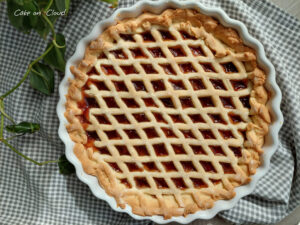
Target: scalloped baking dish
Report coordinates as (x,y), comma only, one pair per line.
(157,7)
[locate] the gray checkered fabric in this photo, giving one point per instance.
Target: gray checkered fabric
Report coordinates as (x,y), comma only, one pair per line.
(40,195)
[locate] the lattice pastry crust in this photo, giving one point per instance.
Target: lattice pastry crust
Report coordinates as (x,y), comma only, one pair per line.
(169,112)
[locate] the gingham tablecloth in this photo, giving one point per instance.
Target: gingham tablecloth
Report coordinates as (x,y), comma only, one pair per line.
(40,195)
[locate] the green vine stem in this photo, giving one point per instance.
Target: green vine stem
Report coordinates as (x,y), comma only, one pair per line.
(3,113)
(52,31)
(27,73)
(48,6)
(26,157)
(2,120)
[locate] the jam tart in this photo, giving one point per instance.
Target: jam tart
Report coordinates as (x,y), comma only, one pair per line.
(168,112)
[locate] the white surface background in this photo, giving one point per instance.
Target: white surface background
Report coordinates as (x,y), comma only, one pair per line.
(293,8)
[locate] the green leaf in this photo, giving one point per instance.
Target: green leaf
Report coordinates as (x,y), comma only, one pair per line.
(42,78)
(23,127)
(65,167)
(62,5)
(56,57)
(20,20)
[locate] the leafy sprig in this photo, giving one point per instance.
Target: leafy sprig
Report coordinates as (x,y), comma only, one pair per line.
(41,70)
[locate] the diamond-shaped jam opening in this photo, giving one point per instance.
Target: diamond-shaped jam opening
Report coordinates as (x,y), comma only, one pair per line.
(188,166)
(206,101)
(188,134)
(176,118)
(133,167)
(140,117)
(149,69)
(229,67)
(156,52)
(141,150)
(102,119)
(92,136)
(147,36)
(166,35)
(239,84)
(245,101)
(141,182)
(218,84)
(179,183)
(227,168)
(207,67)
(101,86)
(168,132)
(151,132)
(243,133)
(235,118)
(197,50)
(158,85)
(237,151)
(122,149)
(185,35)
(169,166)
(167,102)
(122,119)
(217,118)
(132,134)
(177,51)
(160,183)
(159,118)
(227,102)
(226,134)
(129,69)
(119,54)
(178,149)
(112,134)
(150,166)
(198,150)
(187,68)
(207,134)
(102,55)
(127,37)
(177,84)
(86,103)
(125,182)
(160,149)
(111,102)
(149,102)
(93,71)
(138,53)
(120,86)
(215,181)
(103,150)
(186,102)
(139,85)
(196,118)
(115,167)
(216,149)
(197,84)
(198,183)
(130,102)
(109,70)
(168,69)
(208,166)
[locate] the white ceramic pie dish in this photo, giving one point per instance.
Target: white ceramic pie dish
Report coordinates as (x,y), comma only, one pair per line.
(271,140)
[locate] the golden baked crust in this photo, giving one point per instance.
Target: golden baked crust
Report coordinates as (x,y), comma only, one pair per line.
(212,72)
